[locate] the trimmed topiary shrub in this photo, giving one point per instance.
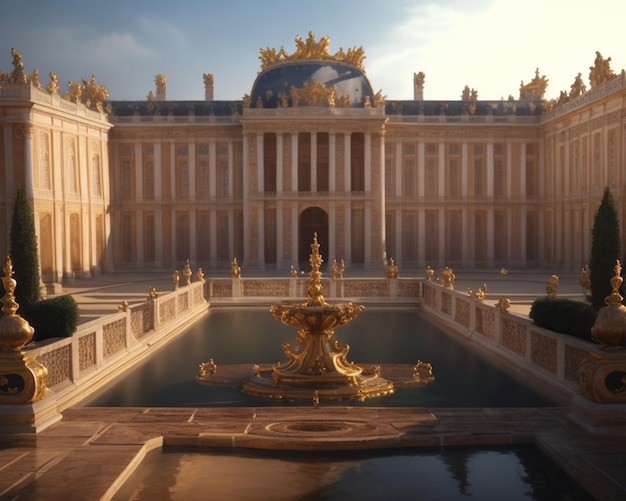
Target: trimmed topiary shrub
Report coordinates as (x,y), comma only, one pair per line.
(565,316)
(24,252)
(55,317)
(606,249)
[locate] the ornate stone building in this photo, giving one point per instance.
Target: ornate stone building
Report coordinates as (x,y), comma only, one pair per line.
(313,148)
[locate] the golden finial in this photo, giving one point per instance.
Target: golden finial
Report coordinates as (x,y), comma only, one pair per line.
(314,286)
(15,332)
(615,298)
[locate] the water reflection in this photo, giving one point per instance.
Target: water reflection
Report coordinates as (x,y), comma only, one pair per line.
(464,378)
(448,474)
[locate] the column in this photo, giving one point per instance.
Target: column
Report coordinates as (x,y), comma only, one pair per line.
(260,163)
(294,241)
(173,198)
(246,203)
(464,194)
(464,172)
(367,170)
(139,237)
(490,167)
(332,162)
(138,199)
(280,238)
(348,234)
(192,171)
(332,229)
(279,163)
(397,191)
(138,172)
(441,189)
(509,194)
(421,237)
(313,162)
(522,173)
(158,197)
(294,165)
(347,162)
(260,258)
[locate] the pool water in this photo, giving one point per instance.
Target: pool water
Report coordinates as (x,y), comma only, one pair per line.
(463,376)
(494,473)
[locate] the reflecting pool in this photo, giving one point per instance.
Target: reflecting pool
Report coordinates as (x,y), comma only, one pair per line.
(493,473)
(463,376)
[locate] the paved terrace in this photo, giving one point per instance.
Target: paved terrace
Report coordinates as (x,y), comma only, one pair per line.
(92,450)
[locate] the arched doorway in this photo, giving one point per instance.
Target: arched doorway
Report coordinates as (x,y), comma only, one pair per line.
(312,220)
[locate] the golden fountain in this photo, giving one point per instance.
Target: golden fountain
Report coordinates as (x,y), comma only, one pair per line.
(317,368)
(318,365)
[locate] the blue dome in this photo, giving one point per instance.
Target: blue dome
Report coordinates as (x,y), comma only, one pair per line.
(279,79)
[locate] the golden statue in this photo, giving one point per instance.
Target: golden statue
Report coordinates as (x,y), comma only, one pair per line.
(535,89)
(235,270)
(187,273)
(583,278)
(503,304)
(175,279)
(447,278)
(152,294)
(313,93)
(392,269)
(150,96)
(469,94)
(160,81)
(336,270)
(34,79)
(207,78)
(17,75)
(578,88)
(379,100)
(552,286)
(601,71)
(310,49)
(200,275)
(293,273)
(429,273)
(419,78)
(53,85)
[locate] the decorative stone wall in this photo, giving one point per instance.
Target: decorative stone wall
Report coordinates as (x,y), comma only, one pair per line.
(87,351)
(446,303)
(183,302)
(574,357)
(462,312)
(167,310)
(114,337)
(514,336)
(269,288)
(58,364)
(543,351)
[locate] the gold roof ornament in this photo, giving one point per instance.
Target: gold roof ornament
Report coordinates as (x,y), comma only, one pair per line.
(310,49)
(15,332)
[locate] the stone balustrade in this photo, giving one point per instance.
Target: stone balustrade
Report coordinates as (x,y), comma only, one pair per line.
(100,350)
(551,358)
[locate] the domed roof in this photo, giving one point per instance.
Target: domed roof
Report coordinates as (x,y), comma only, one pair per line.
(286,79)
(311,76)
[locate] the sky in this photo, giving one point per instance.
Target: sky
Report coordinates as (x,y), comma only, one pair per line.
(489,45)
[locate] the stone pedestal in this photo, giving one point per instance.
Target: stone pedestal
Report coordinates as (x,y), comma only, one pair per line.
(22,378)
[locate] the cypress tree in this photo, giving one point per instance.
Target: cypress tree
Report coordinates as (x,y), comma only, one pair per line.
(605,249)
(24,251)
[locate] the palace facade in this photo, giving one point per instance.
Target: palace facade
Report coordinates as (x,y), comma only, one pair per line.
(313,148)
